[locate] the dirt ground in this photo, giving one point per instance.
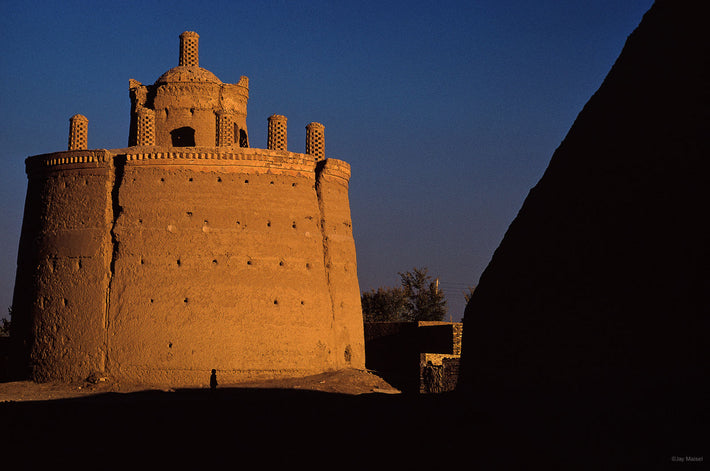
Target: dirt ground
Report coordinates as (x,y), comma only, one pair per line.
(338,420)
(352,382)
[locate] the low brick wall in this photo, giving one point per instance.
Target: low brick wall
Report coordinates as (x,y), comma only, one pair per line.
(394,349)
(438,372)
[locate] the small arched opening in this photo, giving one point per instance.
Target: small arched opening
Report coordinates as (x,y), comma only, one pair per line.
(240,136)
(183,137)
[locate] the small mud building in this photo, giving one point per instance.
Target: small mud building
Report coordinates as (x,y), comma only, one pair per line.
(188,250)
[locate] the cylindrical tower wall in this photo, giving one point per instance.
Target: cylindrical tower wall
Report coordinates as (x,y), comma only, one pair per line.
(185,114)
(78,132)
(64,267)
(157,268)
(213,270)
(278,133)
(189,49)
(341,262)
(185,100)
(315,140)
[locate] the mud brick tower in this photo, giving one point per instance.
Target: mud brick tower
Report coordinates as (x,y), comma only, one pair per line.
(188,250)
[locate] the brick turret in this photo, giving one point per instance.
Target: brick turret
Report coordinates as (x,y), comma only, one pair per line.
(189,49)
(278,134)
(78,132)
(315,140)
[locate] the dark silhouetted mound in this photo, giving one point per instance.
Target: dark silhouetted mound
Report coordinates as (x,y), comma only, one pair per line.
(593,312)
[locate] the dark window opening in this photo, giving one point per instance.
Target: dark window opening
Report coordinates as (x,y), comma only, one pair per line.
(243,142)
(183,137)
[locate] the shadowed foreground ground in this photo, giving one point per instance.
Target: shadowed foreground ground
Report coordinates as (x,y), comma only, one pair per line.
(276,428)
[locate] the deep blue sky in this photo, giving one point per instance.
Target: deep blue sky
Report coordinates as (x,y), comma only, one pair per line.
(447,111)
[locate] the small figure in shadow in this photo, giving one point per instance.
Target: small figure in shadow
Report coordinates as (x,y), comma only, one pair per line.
(213,380)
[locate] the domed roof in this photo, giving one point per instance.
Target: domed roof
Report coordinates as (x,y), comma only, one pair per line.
(187,74)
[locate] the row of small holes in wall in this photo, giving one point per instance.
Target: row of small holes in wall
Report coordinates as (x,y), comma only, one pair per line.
(186,301)
(268,224)
(219,180)
(65,302)
(78,265)
(238,223)
(215,262)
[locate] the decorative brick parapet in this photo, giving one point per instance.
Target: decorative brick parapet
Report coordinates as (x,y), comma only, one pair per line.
(334,168)
(246,160)
(239,154)
(242,157)
(76,158)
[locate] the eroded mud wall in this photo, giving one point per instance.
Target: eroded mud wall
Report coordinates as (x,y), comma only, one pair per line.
(341,263)
(157,267)
(220,265)
(59,304)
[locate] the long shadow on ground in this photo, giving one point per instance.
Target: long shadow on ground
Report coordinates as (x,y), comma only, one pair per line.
(277,428)
(272,427)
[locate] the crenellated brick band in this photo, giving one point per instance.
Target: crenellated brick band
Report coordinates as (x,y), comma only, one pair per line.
(79,158)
